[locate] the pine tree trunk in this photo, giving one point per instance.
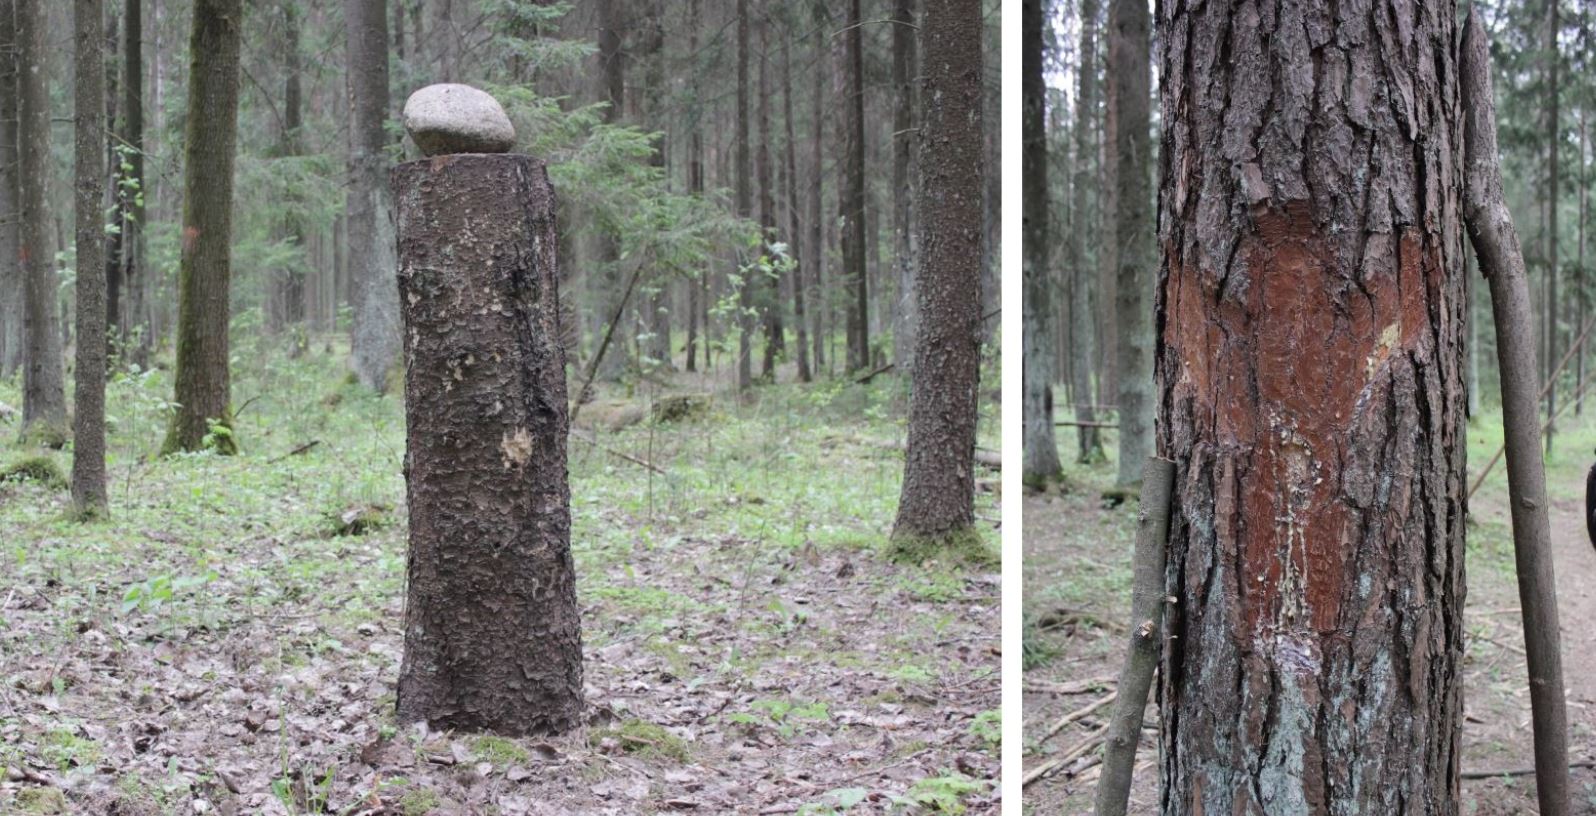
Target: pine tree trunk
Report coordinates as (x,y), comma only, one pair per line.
(288,282)
(11,281)
(696,286)
(88,422)
(375,334)
(794,223)
(136,335)
(1082,331)
(1310,372)
(1042,464)
(1128,49)
(1553,266)
(817,236)
(904,139)
(768,289)
(855,272)
(205,270)
(492,630)
(43,380)
(938,495)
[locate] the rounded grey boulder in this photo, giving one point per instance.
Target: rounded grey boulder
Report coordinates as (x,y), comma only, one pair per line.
(451,118)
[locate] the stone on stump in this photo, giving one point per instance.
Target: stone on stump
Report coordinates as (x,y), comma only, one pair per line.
(492,634)
(450,118)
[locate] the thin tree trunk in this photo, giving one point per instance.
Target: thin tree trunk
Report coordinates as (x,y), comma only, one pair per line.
(695,187)
(904,70)
(1312,398)
(1128,49)
(1495,242)
(205,270)
(289,281)
(745,206)
(135,327)
(88,425)
(938,495)
(1081,330)
(1553,267)
(855,273)
(795,224)
(44,416)
(492,630)
(11,280)
(817,239)
(1042,463)
(1582,276)
(768,289)
(375,333)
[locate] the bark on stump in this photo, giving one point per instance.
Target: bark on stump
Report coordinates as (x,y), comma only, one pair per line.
(492,633)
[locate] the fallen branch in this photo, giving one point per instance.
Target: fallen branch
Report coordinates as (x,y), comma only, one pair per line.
(1079,713)
(581,437)
(1490,227)
(866,378)
(1073,687)
(1517,771)
(295,452)
(1065,758)
(604,345)
(1147,615)
(985,458)
(1080,424)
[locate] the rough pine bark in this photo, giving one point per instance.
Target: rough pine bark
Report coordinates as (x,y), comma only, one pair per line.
(1129,45)
(492,630)
(88,422)
(11,285)
(43,379)
(375,333)
(1310,312)
(937,501)
(205,269)
(1082,327)
(1042,464)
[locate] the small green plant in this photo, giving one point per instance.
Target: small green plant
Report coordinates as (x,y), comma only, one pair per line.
(154,593)
(940,794)
(644,739)
(834,802)
(988,728)
(498,750)
(419,802)
(65,749)
(785,717)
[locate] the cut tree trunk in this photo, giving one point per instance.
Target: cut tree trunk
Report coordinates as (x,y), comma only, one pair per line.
(492,631)
(1310,372)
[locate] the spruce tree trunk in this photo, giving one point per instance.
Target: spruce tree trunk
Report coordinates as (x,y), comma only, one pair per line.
(768,287)
(288,283)
(11,282)
(375,334)
(492,631)
(1042,464)
(904,70)
(696,286)
(1128,47)
(1082,333)
(205,271)
(1310,371)
(855,272)
(137,337)
(88,423)
(1553,266)
(44,416)
(938,495)
(817,230)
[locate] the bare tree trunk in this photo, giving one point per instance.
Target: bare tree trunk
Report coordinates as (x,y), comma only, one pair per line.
(375,334)
(288,283)
(205,272)
(11,280)
(88,425)
(853,197)
(904,139)
(1042,463)
(817,238)
(767,289)
(937,502)
(697,286)
(493,635)
(745,206)
(794,223)
(1311,381)
(1495,241)
(1554,137)
(1128,48)
(44,416)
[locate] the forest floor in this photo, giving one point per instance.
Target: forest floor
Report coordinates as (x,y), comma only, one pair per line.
(1077,598)
(228,642)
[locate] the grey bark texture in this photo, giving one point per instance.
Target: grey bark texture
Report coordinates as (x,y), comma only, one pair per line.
(1310,314)
(1495,241)
(937,501)
(1129,43)
(134,322)
(1146,639)
(855,275)
(88,421)
(203,381)
(492,630)
(794,226)
(11,283)
(905,68)
(745,205)
(1082,332)
(43,377)
(375,333)
(1041,463)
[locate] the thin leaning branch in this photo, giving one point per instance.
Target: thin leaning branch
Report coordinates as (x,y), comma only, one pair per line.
(1495,240)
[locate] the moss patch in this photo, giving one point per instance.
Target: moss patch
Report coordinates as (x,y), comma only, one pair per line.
(41,469)
(644,739)
(964,546)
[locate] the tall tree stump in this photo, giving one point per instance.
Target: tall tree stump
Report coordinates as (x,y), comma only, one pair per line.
(492,632)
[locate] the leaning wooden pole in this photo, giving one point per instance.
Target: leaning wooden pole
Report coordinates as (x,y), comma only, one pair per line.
(1147,615)
(492,631)
(1495,240)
